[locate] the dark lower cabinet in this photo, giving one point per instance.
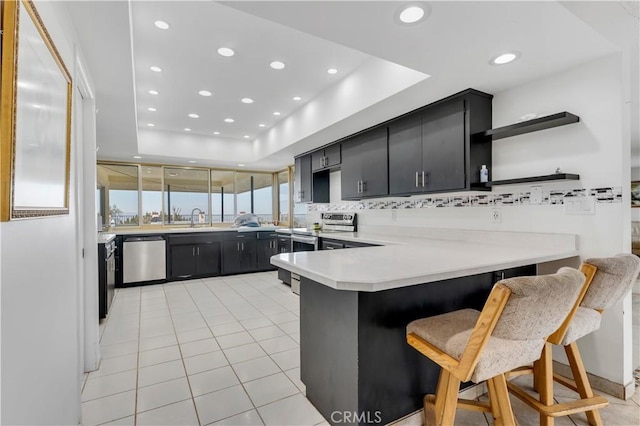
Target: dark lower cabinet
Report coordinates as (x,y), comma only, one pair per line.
(192,260)
(239,256)
(208,258)
(266,248)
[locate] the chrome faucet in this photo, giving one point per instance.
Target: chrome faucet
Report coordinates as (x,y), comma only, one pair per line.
(192,212)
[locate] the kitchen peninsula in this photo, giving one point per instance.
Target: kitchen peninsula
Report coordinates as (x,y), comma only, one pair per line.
(355,305)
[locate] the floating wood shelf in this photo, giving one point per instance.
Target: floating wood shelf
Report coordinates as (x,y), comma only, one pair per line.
(541,123)
(533,179)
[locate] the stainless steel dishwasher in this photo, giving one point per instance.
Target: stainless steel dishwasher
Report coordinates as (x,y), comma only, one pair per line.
(144,259)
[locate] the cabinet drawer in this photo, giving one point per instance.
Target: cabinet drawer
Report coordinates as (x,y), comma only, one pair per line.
(267,235)
(193,238)
(239,235)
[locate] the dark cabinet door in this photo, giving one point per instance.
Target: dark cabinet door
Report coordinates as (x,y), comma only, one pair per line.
(405,155)
(238,256)
(248,256)
(266,249)
(351,174)
(443,152)
(375,164)
(284,244)
(303,179)
(332,155)
(183,261)
(317,160)
(208,259)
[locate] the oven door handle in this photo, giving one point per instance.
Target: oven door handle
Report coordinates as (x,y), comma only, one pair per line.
(306,240)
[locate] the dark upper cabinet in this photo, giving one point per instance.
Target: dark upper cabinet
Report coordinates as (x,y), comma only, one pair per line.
(326,157)
(441,147)
(405,155)
(303,179)
(443,142)
(365,165)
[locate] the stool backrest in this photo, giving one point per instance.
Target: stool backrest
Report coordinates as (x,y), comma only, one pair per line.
(613,279)
(538,305)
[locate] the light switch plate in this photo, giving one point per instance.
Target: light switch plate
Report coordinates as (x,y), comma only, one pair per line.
(535,196)
(579,205)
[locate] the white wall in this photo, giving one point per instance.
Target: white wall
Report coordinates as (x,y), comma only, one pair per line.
(41,297)
(593,148)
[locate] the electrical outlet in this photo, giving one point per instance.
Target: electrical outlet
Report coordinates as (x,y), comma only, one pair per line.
(394,215)
(496,215)
(535,196)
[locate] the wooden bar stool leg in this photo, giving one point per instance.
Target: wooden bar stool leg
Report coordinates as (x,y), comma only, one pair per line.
(502,395)
(493,403)
(545,382)
(536,376)
(582,382)
(440,398)
(451,401)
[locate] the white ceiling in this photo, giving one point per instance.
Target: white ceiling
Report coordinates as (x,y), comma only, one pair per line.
(385,69)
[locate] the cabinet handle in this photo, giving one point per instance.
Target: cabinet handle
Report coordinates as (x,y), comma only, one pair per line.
(423,178)
(322,162)
(198,250)
(238,245)
(364,185)
(193,251)
(417,179)
(242,245)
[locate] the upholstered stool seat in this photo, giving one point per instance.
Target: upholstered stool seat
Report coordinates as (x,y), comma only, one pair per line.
(510,332)
(451,332)
(608,281)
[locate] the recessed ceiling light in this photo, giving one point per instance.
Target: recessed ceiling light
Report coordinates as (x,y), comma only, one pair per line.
(155,69)
(162,25)
(240,165)
(186,129)
(205,93)
(411,14)
(192,161)
(332,70)
(246,100)
(505,58)
(173,174)
(150,124)
(276,113)
(137,157)
(225,51)
(277,65)
(246,136)
(152,109)
(229,120)
(148,171)
(216,133)
(262,125)
(297,98)
(153,92)
(193,115)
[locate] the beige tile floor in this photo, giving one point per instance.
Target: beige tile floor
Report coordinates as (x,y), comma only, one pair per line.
(223,351)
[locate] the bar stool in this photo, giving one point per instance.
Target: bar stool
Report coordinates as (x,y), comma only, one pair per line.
(608,281)
(510,332)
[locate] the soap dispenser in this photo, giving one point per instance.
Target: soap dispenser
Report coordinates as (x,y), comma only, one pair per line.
(484,174)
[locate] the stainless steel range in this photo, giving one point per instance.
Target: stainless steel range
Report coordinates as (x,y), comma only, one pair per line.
(303,239)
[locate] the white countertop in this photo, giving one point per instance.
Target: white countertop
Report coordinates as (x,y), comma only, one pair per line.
(178,230)
(405,260)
